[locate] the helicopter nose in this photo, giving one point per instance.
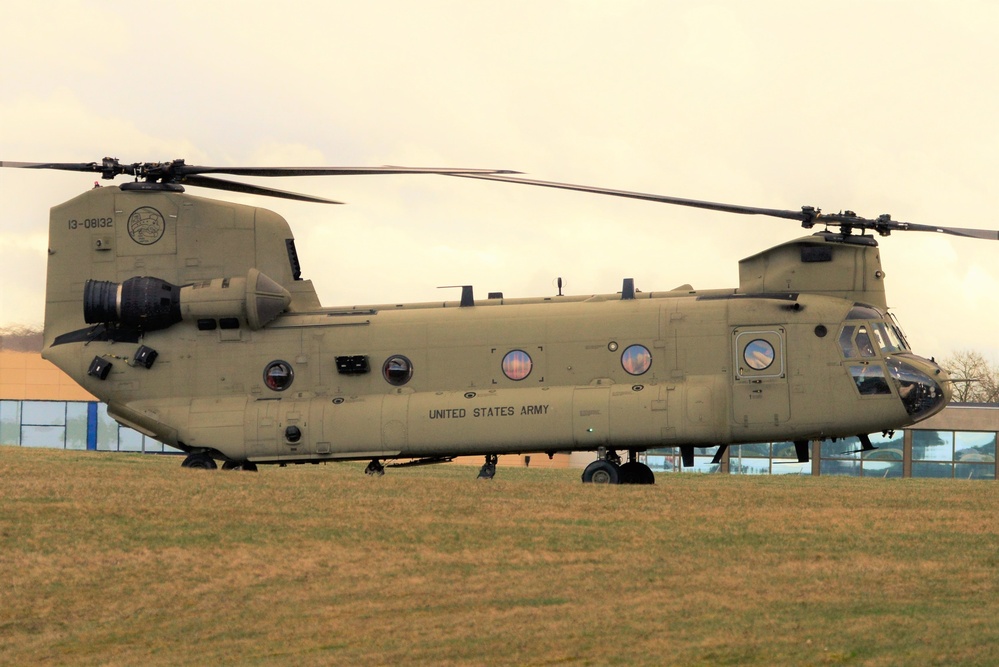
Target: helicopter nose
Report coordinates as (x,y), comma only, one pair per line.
(923,386)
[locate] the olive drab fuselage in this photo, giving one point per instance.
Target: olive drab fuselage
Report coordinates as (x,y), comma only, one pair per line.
(188,317)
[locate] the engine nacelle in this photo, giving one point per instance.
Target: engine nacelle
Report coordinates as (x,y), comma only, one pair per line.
(147,304)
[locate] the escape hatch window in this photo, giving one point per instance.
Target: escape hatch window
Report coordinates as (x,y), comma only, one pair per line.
(517,364)
(397,370)
(759,353)
(278,375)
(636,359)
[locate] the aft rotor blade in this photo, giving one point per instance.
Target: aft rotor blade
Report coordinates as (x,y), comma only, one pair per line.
(801,216)
(233,186)
(333,171)
(63,166)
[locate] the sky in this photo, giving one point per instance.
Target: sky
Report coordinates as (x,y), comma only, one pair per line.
(873,106)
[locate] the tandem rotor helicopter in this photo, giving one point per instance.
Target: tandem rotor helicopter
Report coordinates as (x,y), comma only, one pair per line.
(190,318)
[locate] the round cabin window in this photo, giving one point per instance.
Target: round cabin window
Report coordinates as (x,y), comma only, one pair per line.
(278,375)
(759,355)
(517,364)
(636,359)
(397,370)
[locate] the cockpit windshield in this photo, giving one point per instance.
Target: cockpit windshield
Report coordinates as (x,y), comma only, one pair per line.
(897,328)
(866,339)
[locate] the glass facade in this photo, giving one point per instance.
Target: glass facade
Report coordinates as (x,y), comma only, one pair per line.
(71,425)
(908,453)
(85,425)
(961,454)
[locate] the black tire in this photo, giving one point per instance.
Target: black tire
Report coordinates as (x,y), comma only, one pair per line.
(239,465)
(635,472)
(200,461)
(601,472)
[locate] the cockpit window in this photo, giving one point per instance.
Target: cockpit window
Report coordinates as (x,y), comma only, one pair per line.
(870,379)
(864,342)
(880,337)
(856,342)
(860,312)
(897,328)
(895,339)
(846,341)
(887,340)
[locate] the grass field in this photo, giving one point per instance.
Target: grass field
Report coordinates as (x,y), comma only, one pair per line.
(126,559)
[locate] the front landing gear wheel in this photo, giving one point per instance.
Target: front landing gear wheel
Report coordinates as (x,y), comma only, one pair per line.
(199,460)
(601,471)
(375,468)
(634,472)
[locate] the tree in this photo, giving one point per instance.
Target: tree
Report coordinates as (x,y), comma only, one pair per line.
(976,380)
(19,338)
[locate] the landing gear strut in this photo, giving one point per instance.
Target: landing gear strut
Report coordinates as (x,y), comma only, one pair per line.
(488,469)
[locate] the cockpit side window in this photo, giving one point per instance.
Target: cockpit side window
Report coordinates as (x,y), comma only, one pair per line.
(870,380)
(846,341)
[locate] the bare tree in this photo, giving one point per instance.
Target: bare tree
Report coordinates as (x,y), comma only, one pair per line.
(19,338)
(976,380)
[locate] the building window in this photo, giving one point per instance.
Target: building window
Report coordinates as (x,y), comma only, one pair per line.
(846,457)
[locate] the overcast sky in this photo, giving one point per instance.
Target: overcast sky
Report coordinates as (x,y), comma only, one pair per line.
(878,107)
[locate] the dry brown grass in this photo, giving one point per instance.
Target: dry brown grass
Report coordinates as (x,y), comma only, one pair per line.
(130,560)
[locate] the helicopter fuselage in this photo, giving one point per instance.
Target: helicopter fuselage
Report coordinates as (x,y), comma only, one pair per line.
(189,318)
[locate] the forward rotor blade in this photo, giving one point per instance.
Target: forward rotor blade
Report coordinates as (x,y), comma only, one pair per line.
(987,234)
(808,216)
(801,216)
(233,186)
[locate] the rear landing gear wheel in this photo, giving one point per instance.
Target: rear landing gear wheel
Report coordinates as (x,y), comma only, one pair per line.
(199,460)
(601,471)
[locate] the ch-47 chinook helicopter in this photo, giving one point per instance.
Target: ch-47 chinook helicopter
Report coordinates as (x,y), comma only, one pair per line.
(190,319)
